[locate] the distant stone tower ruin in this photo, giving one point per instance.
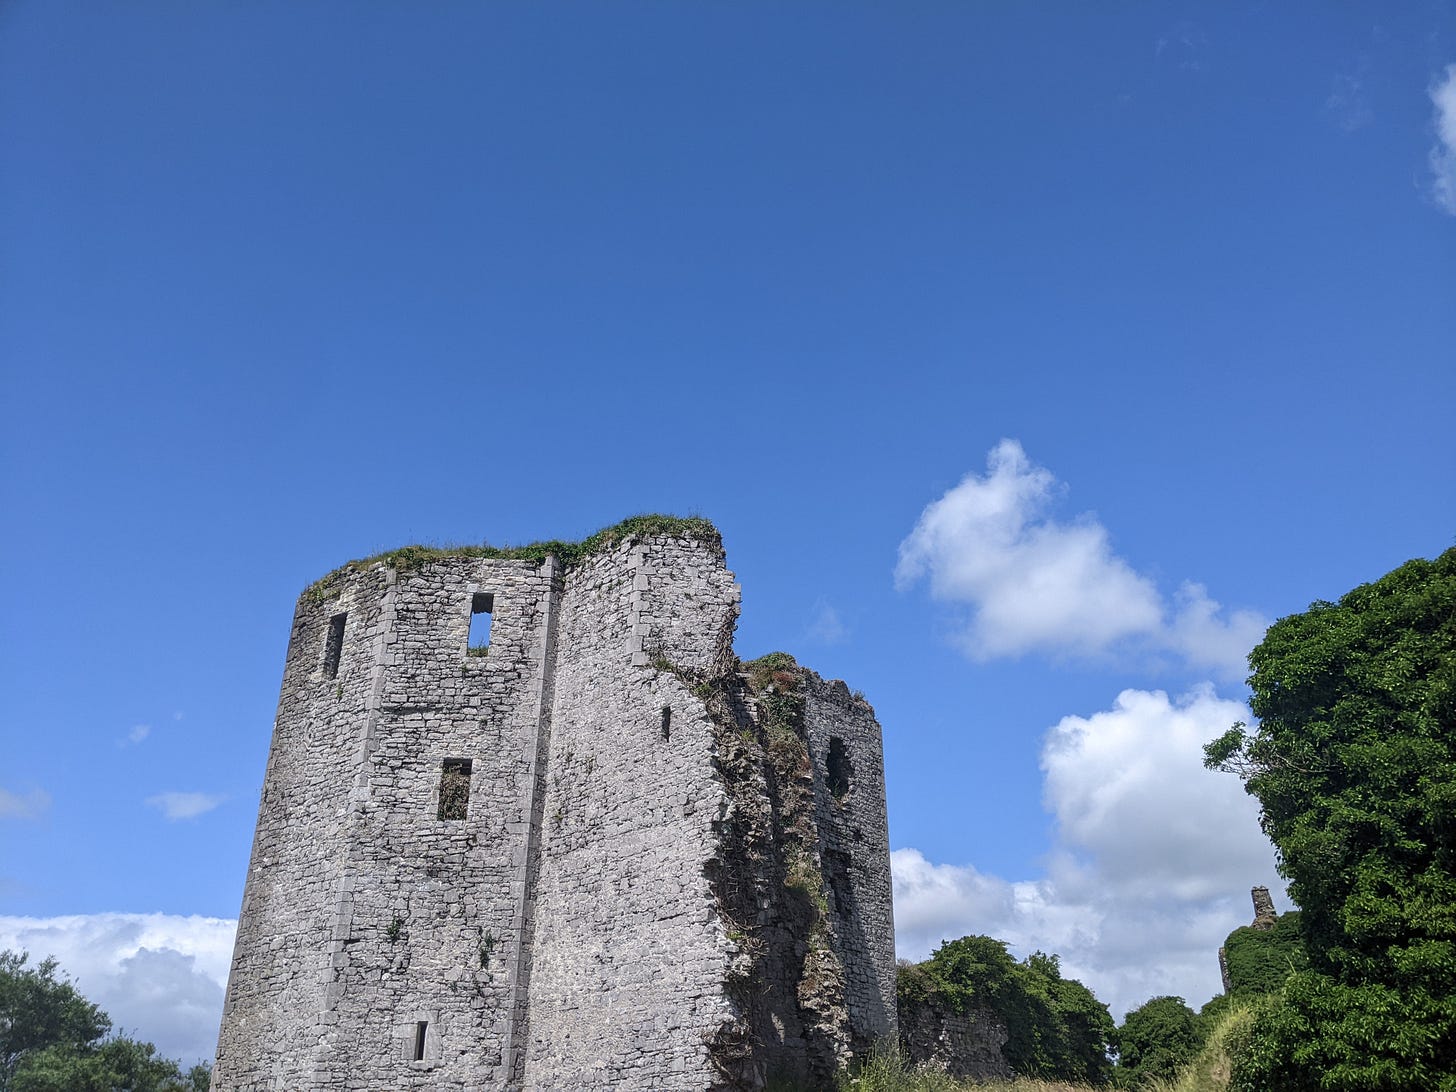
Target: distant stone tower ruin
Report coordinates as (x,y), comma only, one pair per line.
(590,850)
(1264,919)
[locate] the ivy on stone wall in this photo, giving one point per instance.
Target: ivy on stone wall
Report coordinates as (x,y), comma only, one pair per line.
(1259,960)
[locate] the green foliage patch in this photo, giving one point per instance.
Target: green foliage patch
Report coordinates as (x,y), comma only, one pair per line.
(1354,767)
(1260,960)
(1227,1031)
(777,670)
(53,1040)
(1157,1039)
(1056,1028)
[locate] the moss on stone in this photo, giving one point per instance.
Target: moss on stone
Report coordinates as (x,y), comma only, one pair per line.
(406,559)
(777,669)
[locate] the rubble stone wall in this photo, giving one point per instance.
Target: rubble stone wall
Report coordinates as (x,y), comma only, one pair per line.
(966,1045)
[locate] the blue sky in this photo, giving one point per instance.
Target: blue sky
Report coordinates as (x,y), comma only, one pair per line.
(1030,359)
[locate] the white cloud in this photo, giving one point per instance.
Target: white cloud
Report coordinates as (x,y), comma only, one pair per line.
(826,626)
(1443,153)
(136,735)
(1153,858)
(160,977)
(1033,583)
(183,805)
(29,806)
(1206,639)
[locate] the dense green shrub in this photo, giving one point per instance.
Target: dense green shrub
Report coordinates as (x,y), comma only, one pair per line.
(1354,766)
(1259,960)
(1157,1039)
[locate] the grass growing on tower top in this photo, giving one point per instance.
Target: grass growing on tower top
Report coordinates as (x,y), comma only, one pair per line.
(407,559)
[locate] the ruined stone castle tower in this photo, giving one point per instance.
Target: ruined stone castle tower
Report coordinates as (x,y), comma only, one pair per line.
(590,850)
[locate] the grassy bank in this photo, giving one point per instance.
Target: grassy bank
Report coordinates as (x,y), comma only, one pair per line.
(890,1073)
(1208,1072)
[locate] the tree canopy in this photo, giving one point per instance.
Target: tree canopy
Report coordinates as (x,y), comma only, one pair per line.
(1260,960)
(1156,1039)
(53,1040)
(1354,766)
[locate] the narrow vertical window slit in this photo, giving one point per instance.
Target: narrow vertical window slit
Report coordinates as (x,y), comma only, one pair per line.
(839,771)
(334,645)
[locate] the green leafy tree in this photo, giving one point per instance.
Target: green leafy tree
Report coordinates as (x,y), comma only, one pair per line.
(1074,1028)
(53,1040)
(1056,1028)
(116,1064)
(38,1010)
(1354,766)
(1157,1039)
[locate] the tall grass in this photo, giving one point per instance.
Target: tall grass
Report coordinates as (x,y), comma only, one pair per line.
(889,1072)
(1209,1071)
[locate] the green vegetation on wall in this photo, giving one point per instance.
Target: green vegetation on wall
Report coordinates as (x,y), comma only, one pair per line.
(1056,1029)
(1260,960)
(409,558)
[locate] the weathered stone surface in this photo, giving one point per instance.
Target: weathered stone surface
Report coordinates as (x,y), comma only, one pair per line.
(1264,915)
(662,880)
(966,1045)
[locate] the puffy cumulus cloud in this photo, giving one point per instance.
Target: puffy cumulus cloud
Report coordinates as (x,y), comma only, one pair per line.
(135,736)
(1033,583)
(159,977)
(1443,154)
(1152,859)
(1207,639)
(183,805)
(1133,800)
(934,902)
(31,805)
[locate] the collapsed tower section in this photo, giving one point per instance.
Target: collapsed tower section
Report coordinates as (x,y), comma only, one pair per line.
(581,846)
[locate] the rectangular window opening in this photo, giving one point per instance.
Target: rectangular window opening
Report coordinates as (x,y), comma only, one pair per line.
(454,788)
(421,1027)
(482,609)
(667,722)
(839,770)
(334,645)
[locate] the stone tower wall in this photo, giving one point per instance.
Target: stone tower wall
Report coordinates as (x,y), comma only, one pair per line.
(565,933)
(364,913)
(854,843)
(627,986)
